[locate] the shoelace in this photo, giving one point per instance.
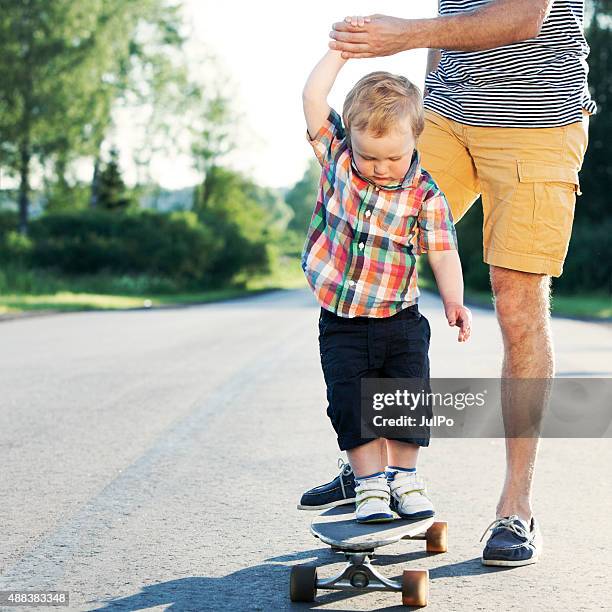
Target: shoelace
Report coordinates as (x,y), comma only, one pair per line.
(345,470)
(507,523)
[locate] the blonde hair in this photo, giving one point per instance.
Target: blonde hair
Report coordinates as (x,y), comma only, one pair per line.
(379,101)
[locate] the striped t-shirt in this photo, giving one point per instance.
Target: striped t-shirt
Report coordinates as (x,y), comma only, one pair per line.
(536,83)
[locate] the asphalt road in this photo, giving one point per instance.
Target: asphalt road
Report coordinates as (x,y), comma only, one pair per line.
(153,460)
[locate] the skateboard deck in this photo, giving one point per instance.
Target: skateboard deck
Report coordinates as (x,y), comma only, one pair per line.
(338,528)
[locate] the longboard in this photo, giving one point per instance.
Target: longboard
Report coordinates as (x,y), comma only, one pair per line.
(338,528)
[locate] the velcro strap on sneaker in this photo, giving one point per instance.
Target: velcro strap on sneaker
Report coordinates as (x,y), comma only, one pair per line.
(365,495)
(372,489)
(406,489)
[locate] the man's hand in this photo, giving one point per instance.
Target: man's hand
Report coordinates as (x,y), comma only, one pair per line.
(373,36)
(459,316)
(495,24)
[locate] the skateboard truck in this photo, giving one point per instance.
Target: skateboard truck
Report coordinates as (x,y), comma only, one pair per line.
(359,574)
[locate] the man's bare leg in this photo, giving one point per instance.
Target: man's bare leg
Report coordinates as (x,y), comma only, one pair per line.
(522,304)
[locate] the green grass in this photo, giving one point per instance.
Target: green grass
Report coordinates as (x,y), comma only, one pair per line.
(587,307)
(595,306)
(286,274)
(590,307)
(67,301)
(52,294)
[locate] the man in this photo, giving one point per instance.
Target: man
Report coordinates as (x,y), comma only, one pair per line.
(507,108)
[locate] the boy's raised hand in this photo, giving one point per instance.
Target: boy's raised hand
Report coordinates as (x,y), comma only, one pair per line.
(459,316)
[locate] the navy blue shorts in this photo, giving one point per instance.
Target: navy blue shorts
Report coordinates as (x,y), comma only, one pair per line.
(367,347)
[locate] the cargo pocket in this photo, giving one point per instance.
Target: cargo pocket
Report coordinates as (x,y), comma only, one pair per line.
(552,189)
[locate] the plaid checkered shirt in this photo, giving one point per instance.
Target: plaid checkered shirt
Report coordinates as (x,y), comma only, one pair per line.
(360,252)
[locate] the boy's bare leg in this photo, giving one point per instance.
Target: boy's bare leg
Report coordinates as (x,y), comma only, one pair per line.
(368,458)
(522,304)
(376,455)
(402,454)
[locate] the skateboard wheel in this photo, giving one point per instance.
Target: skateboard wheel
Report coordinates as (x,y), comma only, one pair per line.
(415,588)
(303,583)
(437,537)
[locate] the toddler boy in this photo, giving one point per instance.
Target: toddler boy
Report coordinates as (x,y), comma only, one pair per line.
(376,210)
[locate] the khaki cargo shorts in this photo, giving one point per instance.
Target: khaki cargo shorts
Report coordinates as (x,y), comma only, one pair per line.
(528,179)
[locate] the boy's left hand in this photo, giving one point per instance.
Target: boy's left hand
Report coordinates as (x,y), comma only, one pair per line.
(459,316)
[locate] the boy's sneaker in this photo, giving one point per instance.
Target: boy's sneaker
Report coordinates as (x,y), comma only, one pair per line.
(513,542)
(340,491)
(372,501)
(408,496)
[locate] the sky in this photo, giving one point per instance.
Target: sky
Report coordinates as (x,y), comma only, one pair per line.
(266,50)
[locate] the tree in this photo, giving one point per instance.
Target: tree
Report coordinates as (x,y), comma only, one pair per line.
(111,188)
(34,50)
(301,198)
(211,138)
(62,65)
(596,174)
(145,71)
(212,133)
(588,266)
(233,212)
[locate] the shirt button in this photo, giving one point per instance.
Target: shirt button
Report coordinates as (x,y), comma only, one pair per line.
(368,213)
(361,246)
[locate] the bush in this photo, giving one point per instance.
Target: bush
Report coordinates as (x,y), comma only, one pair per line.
(14,247)
(241,217)
(588,265)
(8,221)
(148,243)
(16,278)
